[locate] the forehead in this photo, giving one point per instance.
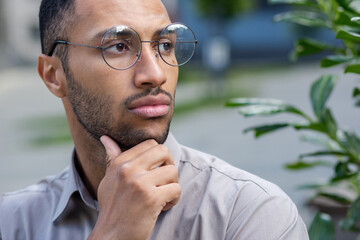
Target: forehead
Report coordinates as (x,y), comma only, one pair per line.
(94,16)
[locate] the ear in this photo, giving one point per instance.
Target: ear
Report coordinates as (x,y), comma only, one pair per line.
(52,73)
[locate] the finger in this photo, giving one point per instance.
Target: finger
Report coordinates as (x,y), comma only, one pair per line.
(154,157)
(139,149)
(170,193)
(111,148)
(161,176)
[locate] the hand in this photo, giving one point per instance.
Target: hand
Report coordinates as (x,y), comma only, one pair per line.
(138,184)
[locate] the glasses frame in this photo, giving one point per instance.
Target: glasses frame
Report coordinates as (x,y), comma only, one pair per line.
(56,42)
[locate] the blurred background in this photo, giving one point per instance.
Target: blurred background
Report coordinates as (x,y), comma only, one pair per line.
(242,52)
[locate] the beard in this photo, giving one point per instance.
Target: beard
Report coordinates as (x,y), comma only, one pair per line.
(94,113)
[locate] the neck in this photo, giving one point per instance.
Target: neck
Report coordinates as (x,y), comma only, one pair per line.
(91,164)
(91,155)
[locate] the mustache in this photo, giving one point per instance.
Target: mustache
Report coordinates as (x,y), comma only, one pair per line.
(147,92)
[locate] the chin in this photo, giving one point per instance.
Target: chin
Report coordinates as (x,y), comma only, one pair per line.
(129,136)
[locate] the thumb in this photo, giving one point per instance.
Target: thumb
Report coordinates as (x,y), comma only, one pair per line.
(111,148)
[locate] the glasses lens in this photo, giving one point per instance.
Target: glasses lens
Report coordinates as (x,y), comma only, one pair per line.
(177,44)
(121,47)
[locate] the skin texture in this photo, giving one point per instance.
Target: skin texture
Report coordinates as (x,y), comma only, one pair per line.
(130,173)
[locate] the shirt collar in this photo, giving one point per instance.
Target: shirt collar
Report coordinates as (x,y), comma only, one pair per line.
(174,148)
(75,184)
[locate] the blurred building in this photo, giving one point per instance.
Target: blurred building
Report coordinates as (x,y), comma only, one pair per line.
(251,35)
(2,25)
(20,29)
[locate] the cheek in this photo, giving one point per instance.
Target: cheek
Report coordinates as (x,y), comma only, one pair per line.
(172,78)
(103,80)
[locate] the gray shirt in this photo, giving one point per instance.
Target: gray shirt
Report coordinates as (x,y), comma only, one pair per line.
(218,201)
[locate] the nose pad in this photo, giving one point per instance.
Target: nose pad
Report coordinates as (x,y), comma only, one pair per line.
(149,73)
(138,54)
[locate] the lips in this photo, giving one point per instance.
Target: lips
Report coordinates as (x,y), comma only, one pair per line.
(151,106)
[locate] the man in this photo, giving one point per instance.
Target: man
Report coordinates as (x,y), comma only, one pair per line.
(129,178)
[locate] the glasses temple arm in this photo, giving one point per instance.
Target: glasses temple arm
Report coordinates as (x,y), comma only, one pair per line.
(68,43)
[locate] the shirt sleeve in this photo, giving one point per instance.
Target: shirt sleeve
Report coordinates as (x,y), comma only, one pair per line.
(267,217)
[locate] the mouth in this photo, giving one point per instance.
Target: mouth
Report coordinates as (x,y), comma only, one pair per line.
(151,106)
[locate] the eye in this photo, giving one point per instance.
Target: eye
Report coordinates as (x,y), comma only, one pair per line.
(120,47)
(166,46)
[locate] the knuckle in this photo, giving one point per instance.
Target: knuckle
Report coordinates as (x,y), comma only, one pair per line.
(150,198)
(138,185)
(124,170)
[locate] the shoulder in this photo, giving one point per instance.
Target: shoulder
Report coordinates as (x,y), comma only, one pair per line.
(198,162)
(254,208)
(51,185)
(32,202)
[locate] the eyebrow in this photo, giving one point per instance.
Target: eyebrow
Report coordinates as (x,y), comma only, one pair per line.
(158,32)
(101,34)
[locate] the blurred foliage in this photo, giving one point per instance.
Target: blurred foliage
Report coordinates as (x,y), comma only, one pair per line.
(225,8)
(340,147)
(47,130)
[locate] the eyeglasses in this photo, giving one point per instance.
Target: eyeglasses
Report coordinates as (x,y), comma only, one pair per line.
(121,46)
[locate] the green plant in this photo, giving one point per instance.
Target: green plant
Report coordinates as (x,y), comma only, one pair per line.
(224,9)
(341,145)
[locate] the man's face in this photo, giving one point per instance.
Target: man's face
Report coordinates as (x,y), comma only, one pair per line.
(128,105)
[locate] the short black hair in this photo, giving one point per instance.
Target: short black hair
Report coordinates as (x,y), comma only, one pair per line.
(55,17)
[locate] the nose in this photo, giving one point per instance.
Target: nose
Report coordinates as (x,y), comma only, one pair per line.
(149,73)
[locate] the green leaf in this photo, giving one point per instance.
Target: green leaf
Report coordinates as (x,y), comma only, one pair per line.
(355,19)
(323,153)
(312,186)
(258,110)
(342,178)
(342,172)
(346,18)
(262,107)
(335,197)
(347,35)
(300,165)
(238,102)
(333,60)
(322,228)
(357,103)
(353,216)
(315,126)
(355,68)
(306,46)
(320,92)
(356,92)
(327,118)
(224,9)
(321,140)
(294,2)
(351,142)
(264,129)
(305,18)
(350,5)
